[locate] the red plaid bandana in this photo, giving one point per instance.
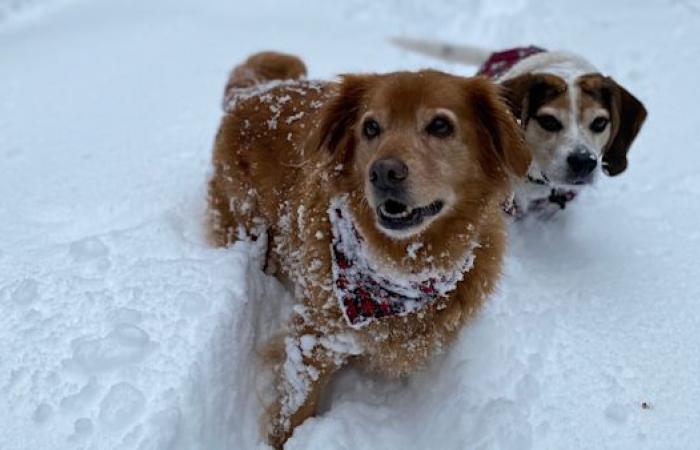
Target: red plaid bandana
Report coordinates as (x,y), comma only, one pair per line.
(500,62)
(365,293)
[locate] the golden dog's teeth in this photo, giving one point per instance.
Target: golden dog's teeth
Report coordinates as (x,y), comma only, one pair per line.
(400,215)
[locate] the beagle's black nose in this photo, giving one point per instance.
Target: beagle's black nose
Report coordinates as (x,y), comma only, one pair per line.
(581,162)
(388,173)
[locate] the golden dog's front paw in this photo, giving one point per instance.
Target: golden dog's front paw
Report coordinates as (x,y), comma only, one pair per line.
(276,428)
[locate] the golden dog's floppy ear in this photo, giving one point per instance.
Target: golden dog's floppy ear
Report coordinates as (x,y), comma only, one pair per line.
(500,137)
(516,91)
(627,115)
(340,115)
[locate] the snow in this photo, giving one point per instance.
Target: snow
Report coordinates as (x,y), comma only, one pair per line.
(122,328)
(413,248)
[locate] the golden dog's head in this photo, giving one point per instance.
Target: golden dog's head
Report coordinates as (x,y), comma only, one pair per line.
(422,148)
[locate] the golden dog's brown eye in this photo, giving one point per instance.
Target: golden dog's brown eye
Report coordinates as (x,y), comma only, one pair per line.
(440,127)
(549,123)
(599,124)
(371,129)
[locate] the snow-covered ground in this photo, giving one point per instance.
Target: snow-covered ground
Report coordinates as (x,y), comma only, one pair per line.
(121,328)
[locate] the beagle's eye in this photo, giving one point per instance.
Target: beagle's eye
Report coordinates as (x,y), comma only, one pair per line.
(371,129)
(549,123)
(440,127)
(599,124)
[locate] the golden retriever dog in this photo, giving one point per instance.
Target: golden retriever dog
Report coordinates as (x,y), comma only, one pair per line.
(378,197)
(577,121)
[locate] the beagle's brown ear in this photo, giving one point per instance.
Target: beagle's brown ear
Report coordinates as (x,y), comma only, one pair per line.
(501,139)
(627,117)
(341,114)
(526,93)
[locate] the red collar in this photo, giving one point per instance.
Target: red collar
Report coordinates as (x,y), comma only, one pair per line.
(365,293)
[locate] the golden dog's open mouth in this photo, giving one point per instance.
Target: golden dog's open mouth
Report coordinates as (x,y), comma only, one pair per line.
(395,215)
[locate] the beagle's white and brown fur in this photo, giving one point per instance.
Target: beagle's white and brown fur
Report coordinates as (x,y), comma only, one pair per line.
(577,122)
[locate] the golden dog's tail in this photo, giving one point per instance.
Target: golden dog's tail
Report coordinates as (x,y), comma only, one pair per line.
(261,68)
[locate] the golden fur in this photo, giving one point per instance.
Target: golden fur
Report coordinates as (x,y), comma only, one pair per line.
(285,149)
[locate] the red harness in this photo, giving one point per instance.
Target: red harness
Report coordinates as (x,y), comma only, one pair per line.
(500,62)
(365,293)
(559,197)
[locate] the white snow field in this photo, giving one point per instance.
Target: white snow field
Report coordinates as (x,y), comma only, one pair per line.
(121,328)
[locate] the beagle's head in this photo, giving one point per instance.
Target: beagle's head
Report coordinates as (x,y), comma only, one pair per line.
(575,126)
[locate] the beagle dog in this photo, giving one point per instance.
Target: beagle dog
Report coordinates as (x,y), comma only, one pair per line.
(576,121)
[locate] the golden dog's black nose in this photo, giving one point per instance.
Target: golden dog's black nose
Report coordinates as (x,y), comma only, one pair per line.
(388,173)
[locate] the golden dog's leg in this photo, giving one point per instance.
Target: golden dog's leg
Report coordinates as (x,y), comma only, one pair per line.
(309,361)
(222,226)
(231,213)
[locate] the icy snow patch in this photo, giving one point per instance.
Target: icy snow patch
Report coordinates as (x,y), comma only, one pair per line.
(157,349)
